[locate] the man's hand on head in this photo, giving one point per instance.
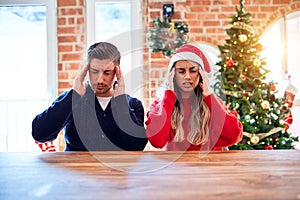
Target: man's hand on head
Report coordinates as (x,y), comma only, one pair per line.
(119,87)
(79,85)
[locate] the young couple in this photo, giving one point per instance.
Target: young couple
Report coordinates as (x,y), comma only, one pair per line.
(99,116)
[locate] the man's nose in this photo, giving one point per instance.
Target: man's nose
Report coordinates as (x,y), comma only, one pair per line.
(100,78)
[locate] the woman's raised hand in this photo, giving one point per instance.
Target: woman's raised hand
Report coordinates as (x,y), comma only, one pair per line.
(170,84)
(205,83)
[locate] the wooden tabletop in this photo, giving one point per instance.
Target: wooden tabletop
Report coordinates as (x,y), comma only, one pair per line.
(151,175)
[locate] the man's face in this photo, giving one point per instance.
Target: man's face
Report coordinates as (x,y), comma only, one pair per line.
(102,76)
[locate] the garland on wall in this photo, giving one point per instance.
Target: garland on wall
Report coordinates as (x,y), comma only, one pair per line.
(167,36)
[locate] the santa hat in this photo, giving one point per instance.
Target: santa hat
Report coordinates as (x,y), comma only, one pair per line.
(192,53)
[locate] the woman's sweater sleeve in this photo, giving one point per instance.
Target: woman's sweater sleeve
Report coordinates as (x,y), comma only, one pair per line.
(225,128)
(159,119)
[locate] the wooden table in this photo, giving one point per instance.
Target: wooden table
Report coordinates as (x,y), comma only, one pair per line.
(151,175)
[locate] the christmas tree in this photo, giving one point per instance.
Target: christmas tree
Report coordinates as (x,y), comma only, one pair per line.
(244,86)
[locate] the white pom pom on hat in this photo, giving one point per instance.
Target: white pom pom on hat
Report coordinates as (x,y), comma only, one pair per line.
(192,53)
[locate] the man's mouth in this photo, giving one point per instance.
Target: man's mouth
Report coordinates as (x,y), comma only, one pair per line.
(100,87)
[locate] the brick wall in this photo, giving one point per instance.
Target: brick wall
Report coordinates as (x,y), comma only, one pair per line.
(207,20)
(71,37)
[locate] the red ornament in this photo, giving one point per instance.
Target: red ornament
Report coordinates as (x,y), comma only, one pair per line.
(230,63)
(288,118)
(268,147)
(273,88)
(287,126)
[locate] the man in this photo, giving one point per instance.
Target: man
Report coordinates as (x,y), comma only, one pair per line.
(96,116)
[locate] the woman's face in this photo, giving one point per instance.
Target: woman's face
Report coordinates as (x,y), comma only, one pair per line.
(187,77)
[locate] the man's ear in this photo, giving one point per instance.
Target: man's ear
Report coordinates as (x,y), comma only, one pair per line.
(114,85)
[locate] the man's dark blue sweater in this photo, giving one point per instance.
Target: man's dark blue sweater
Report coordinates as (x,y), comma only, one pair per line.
(90,128)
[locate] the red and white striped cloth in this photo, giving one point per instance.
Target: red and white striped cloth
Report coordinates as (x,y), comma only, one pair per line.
(290,93)
(47,146)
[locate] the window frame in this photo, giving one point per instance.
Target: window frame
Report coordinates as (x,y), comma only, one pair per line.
(135,81)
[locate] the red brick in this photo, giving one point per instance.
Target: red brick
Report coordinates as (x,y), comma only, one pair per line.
(211,23)
(67,30)
(61,21)
(64,85)
(80,20)
(66,3)
(281,1)
(73,66)
(67,38)
(72,56)
(71,21)
(65,48)
(63,75)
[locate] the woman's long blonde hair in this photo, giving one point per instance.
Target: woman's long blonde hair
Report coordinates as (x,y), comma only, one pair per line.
(198,122)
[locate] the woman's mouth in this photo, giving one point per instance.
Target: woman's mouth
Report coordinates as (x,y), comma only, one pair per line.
(187,84)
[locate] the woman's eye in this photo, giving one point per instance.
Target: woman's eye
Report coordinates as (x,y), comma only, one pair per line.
(181,71)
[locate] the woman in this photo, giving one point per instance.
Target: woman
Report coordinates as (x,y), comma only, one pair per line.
(189,116)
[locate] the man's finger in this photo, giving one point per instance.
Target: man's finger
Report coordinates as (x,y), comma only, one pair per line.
(83,72)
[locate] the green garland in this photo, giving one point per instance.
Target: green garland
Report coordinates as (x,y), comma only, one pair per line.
(167,36)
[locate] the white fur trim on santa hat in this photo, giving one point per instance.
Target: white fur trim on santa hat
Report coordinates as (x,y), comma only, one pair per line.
(185,56)
(192,53)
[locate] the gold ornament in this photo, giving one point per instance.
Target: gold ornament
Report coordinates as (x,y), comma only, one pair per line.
(257,62)
(265,105)
(171,30)
(263,135)
(243,38)
(244,26)
(254,139)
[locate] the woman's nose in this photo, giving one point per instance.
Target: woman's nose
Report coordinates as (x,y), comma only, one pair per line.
(187,75)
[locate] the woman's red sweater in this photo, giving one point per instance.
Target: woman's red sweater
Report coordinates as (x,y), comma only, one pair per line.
(224,127)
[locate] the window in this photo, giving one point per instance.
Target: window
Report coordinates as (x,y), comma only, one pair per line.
(27,70)
(281,42)
(119,22)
